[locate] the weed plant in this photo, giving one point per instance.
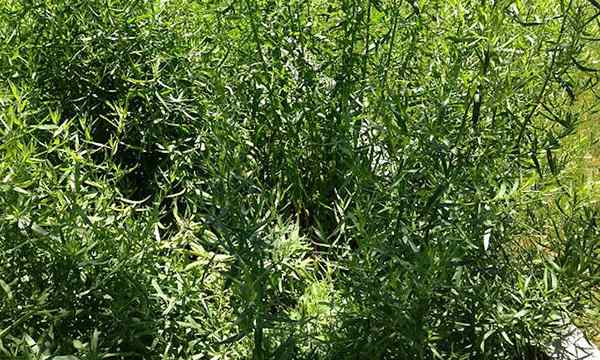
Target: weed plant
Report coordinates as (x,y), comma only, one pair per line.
(304,179)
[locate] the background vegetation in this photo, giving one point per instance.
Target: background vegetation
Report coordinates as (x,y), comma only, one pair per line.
(296,179)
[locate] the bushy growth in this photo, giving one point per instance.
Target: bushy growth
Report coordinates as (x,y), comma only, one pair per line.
(349,179)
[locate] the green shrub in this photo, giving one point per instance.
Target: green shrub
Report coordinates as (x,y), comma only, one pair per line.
(291,179)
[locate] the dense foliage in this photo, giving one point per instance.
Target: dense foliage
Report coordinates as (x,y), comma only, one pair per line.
(292,179)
